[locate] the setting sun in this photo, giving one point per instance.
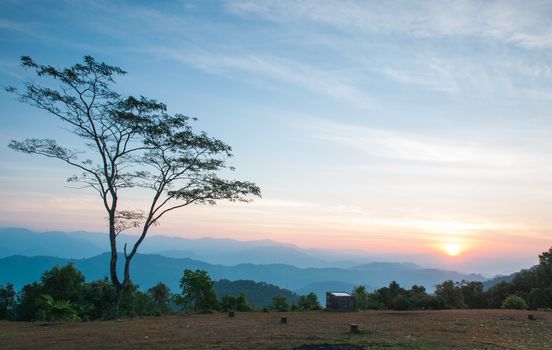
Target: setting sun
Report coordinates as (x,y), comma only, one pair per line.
(452,249)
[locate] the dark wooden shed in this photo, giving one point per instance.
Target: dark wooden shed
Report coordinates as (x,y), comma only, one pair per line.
(340,301)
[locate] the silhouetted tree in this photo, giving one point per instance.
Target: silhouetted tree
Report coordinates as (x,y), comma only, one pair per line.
(127,143)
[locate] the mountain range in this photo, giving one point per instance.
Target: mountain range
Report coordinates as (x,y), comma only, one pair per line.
(25,255)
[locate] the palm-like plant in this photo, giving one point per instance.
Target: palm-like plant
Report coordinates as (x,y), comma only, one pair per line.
(58,310)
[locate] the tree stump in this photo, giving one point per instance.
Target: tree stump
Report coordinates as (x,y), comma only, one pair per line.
(231,314)
(531,317)
(283,320)
(354,328)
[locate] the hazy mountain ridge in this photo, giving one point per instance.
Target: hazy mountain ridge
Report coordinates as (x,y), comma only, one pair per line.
(148,269)
(78,245)
(164,259)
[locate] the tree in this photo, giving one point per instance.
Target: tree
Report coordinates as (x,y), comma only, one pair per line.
(239,303)
(544,269)
(160,295)
(64,282)
(100,294)
(198,293)
(473,295)
(361,297)
(127,143)
(279,303)
(537,299)
(498,293)
(7,302)
(450,294)
(29,302)
(308,302)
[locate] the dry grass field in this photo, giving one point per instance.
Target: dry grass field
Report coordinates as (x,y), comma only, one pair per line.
(452,329)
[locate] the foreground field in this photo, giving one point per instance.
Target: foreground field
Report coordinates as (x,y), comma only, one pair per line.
(460,329)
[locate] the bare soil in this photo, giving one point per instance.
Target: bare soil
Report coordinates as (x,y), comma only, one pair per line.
(450,329)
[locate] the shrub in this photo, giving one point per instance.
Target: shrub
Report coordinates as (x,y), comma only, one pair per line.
(514,302)
(57,310)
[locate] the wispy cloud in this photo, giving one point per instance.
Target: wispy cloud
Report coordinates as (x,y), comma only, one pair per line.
(336,84)
(525,24)
(430,45)
(391,143)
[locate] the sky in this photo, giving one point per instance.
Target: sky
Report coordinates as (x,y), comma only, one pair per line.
(412,131)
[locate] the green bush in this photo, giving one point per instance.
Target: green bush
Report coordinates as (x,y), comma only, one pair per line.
(57,310)
(514,302)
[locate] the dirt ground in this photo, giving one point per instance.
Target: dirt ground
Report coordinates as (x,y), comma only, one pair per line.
(451,329)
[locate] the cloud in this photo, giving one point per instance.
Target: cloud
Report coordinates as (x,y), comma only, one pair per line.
(327,82)
(391,144)
(463,49)
(525,24)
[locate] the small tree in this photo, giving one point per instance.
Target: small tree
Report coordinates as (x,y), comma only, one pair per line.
(127,143)
(7,302)
(308,302)
(361,296)
(279,303)
(160,295)
(29,302)
(238,303)
(198,293)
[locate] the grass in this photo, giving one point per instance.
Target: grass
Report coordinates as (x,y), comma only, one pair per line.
(447,329)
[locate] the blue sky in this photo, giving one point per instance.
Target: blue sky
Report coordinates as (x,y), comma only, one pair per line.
(397,127)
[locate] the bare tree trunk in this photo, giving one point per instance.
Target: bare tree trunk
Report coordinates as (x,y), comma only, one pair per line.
(113,265)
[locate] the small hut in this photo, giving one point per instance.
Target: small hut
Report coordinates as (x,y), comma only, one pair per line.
(340,301)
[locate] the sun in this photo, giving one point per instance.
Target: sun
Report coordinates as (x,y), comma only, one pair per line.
(452,249)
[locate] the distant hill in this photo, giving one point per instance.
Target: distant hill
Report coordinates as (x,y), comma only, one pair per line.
(18,241)
(498,279)
(149,269)
(78,245)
